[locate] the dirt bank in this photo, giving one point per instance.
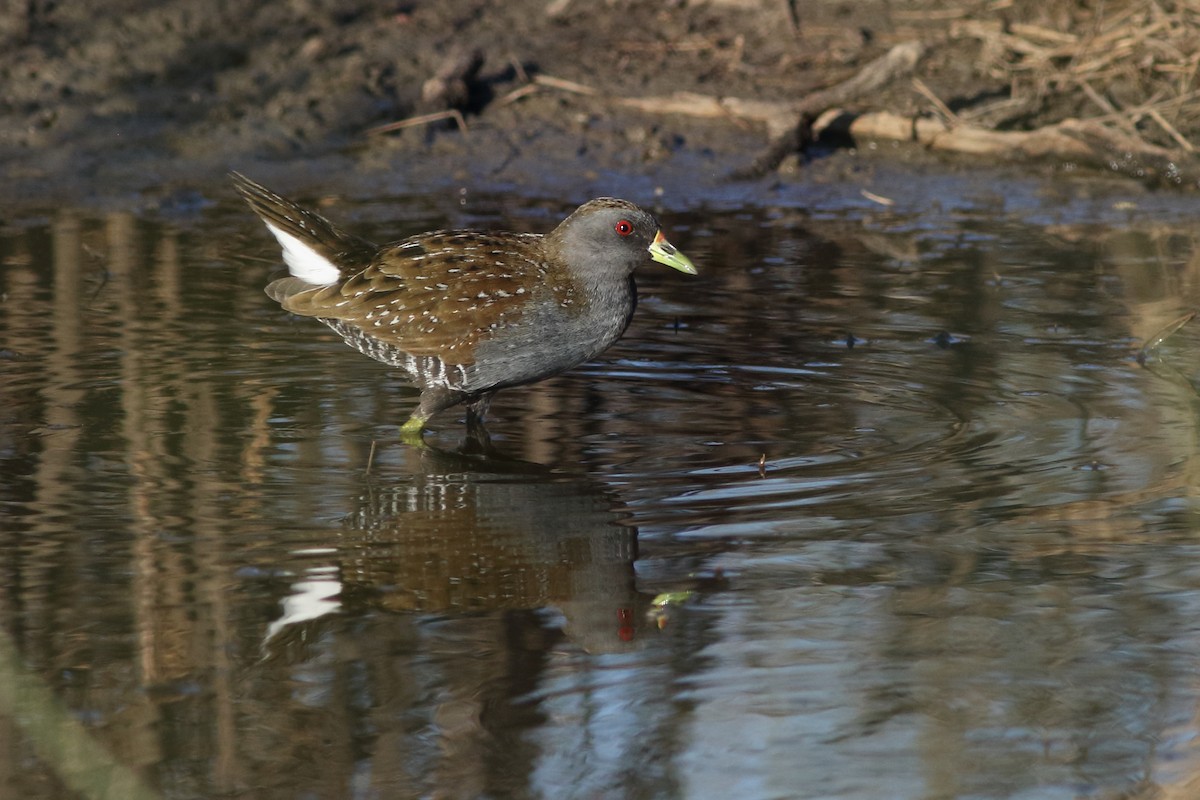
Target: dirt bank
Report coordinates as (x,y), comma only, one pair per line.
(151,102)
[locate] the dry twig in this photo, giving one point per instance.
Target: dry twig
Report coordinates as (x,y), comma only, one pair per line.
(421,119)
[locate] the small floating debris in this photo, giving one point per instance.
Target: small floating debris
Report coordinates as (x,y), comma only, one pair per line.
(946,339)
(877,198)
(849,341)
(1148,349)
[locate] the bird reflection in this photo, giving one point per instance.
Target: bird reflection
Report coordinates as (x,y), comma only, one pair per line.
(473,531)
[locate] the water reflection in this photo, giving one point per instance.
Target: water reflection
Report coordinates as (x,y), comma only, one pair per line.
(457,534)
(926,527)
(424,620)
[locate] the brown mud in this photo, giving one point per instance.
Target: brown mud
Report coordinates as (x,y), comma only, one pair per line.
(149,104)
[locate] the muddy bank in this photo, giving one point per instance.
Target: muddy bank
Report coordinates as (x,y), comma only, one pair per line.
(151,103)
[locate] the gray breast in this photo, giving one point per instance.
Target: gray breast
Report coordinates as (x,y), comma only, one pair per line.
(551,338)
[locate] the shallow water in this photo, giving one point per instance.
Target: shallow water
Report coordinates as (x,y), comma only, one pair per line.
(880,505)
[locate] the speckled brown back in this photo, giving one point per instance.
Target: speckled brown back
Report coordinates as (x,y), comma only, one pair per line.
(441,293)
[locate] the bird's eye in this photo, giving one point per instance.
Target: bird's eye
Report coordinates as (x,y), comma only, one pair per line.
(624,227)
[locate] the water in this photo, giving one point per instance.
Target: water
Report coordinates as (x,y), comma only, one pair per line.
(880,505)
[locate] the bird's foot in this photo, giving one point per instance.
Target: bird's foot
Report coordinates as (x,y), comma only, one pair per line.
(411,431)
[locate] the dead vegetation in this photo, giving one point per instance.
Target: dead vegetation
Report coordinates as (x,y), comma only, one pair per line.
(1135,63)
(1106,85)
(1111,85)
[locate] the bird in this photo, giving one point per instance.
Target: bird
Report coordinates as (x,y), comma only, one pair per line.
(466,313)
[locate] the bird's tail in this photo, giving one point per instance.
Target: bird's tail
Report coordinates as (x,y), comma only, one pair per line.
(315,250)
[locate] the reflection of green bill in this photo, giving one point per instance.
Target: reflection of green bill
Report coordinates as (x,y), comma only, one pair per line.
(61,742)
(671,598)
(660,607)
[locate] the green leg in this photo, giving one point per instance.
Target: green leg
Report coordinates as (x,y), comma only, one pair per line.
(432,401)
(411,430)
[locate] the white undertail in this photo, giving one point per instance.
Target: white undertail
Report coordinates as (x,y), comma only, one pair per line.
(303,262)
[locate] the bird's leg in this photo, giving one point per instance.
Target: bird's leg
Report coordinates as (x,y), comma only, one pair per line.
(433,400)
(477,433)
(477,408)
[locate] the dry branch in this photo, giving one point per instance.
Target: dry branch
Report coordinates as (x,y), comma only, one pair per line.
(778,117)
(899,61)
(787,122)
(1081,142)
(421,119)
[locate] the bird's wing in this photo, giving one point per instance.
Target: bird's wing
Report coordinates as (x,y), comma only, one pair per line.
(436,294)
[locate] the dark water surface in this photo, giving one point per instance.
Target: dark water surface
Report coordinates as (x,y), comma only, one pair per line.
(880,505)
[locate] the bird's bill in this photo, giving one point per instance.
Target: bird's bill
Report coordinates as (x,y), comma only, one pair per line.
(664,252)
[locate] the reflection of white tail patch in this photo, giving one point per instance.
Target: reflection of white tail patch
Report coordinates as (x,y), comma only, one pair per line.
(310,599)
(305,263)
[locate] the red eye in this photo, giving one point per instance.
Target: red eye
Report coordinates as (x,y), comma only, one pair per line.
(624,227)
